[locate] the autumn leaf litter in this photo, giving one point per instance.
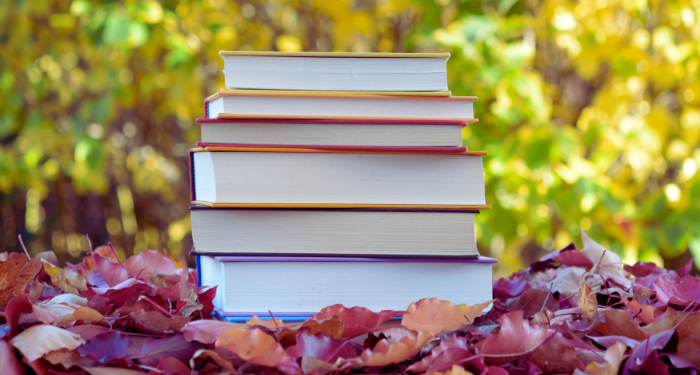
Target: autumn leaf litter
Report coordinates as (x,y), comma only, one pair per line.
(572,311)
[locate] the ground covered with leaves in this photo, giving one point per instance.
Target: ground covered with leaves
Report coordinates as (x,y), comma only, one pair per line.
(571,312)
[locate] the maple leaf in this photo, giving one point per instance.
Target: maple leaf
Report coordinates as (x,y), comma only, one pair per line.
(41,339)
(356,320)
(15,274)
(515,339)
(391,350)
(259,348)
(438,317)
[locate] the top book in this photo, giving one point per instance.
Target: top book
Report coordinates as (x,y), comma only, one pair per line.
(320,71)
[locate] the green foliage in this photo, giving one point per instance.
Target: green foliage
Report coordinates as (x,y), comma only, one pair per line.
(590,112)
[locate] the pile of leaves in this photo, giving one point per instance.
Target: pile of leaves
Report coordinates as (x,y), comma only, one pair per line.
(570,312)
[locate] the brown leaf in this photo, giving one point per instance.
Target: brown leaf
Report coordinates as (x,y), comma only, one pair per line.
(390,351)
(205,353)
(259,348)
(66,358)
(40,339)
(333,327)
(439,317)
(356,320)
(613,357)
(15,274)
(555,358)
(618,324)
(533,300)
(86,314)
(157,322)
(688,336)
(273,323)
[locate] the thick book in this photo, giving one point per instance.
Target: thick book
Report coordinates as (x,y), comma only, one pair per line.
(335,71)
(334,232)
(330,105)
(279,177)
(298,286)
(335,132)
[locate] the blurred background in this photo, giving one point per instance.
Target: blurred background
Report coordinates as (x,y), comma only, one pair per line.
(590,113)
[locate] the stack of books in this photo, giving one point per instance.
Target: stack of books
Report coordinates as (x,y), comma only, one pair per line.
(336,178)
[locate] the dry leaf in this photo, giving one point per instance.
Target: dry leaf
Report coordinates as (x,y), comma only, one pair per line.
(38,340)
(258,347)
(439,317)
(15,274)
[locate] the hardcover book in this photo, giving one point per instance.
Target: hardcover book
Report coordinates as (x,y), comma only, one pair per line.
(347,132)
(335,71)
(334,232)
(302,286)
(327,178)
(325,105)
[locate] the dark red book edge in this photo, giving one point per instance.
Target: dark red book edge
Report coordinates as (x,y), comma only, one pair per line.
(377,121)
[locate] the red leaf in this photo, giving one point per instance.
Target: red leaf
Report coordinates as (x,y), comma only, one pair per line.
(504,288)
(321,346)
(206,331)
(9,365)
(515,339)
(14,309)
(656,342)
(129,290)
(643,269)
(356,320)
(149,350)
(677,290)
(112,273)
(555,359)
(206,299)
(450,351)
(155,322)
(259,348)
(148,263)
(106,347)
(171,366)
(392,351)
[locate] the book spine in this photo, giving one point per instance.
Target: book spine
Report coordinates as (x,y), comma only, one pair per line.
(190,158)
(206,108)
(199,270)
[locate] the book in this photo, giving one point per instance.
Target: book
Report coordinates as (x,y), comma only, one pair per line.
(328,105)
(334,232)
(335,71)
(335,132)
(302,286)
(336,178)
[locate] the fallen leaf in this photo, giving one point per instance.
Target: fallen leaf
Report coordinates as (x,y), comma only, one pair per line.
(613,357)
(67,280)
(149,262)
(64,357)
(515,339)
(272,323)
(643,269)
(106,347)
(172,366)
(391,351)
(609,261)
(112,272)
(618,324)
(533,301)
(681,291)
(206,331)
(15,274)
(110,371)
(356,320)
(645,313)
(8,360)
(439,317)
(333,327)
(689,339)
(13,311)
(455,370)
(148,351)
(555,358)
(504,288)
(311,365)
(323,347)
(205,353)
(567,280)
(259,348)
(84,314)
(656,342)
(447,353)
(156,322)
(41,339)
